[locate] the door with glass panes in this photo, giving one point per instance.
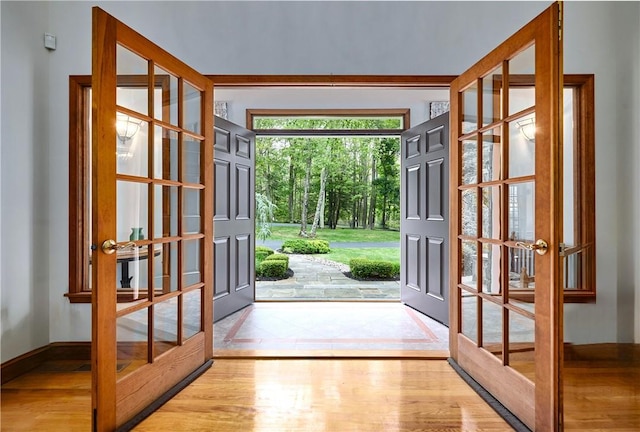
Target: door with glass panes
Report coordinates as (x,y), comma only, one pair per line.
(506,222)
(152,217)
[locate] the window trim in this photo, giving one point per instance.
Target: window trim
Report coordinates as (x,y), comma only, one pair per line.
(403,113)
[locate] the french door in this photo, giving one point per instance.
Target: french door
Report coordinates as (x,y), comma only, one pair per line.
(152,207)
(506,225)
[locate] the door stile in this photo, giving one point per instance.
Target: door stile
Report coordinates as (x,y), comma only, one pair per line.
(207,163)
(103,306)
(549,356)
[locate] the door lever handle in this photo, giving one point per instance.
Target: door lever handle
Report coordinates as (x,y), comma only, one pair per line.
(110,246)
(540,246)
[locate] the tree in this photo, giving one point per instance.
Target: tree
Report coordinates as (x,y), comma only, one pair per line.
(319,206)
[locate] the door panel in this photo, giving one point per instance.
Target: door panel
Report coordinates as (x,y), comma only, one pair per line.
(424,230)
(234,219)
(506,165)
(152,156)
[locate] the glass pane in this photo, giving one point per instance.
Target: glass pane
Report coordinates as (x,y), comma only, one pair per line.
(165,331)
(165,154)
(470,212)
(132,146)
(522,212)
(492,327)
(165,218)
(491,269)
(522,278)
(469,317)
(469,275)
(522,81)
(191,100)
(133,81)
(522,146)
(491,97)
(168,85)
(192,149)
(165,268)
(191,211)
(470,161)
(191,264)
(470,109)
(132,205)
(522,344)
(568,175)
(132,332)
(491,212)
(191,313)
(131,273)
(492,155)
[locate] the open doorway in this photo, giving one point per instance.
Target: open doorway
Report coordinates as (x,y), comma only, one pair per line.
(416,103)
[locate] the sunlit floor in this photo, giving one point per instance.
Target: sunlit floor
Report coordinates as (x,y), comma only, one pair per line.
(329,326)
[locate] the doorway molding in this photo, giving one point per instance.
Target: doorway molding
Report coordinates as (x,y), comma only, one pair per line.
(409,81)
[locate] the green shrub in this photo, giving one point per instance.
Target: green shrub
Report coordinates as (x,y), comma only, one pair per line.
(272,268)
(362,268)
(304,246)
(262,252)
(278,257)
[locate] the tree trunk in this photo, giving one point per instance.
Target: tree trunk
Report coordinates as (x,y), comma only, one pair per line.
(372,204)
(337,216)
(305,200)
(324,199)
(316,218)
(292,189)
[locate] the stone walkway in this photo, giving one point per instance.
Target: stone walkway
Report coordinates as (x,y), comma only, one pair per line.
(318,280)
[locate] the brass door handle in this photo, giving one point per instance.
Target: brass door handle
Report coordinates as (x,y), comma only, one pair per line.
(540,246)
(110,246)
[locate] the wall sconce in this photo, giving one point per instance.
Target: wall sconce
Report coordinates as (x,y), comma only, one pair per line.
(126,128)
(527,128)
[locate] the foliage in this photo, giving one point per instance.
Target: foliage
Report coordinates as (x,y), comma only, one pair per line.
(262,252)
(264,216)
(304,246)
(365,268)
(278,257)
(362,173)
(272,269)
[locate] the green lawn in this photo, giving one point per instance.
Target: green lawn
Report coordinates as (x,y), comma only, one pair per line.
(343,255)
(346,235)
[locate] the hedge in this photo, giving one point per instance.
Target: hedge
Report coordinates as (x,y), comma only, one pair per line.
(278,257)
(362,268)
(272,268)
(262,252)
(304,246)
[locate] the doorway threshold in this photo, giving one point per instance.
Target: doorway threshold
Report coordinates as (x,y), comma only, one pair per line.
(330,330)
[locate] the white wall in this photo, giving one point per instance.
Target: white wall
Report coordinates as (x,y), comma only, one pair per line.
(601,38)
(281,38)
(25,229)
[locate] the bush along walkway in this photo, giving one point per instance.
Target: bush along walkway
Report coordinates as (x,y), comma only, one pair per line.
(317,279)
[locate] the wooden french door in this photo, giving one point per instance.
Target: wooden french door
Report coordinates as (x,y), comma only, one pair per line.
(152,206)
(506,225)
(424,224)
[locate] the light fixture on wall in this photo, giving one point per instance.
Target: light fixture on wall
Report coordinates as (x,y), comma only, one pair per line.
(527,128)
(126,128)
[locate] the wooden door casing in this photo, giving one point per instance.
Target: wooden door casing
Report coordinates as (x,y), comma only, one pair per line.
(537,403)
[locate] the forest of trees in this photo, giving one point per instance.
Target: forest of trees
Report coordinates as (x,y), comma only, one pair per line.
(330,181)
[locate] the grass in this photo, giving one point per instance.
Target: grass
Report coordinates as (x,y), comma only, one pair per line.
(344,255)
(342,235)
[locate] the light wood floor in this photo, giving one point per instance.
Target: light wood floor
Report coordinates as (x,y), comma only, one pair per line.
(323,395)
